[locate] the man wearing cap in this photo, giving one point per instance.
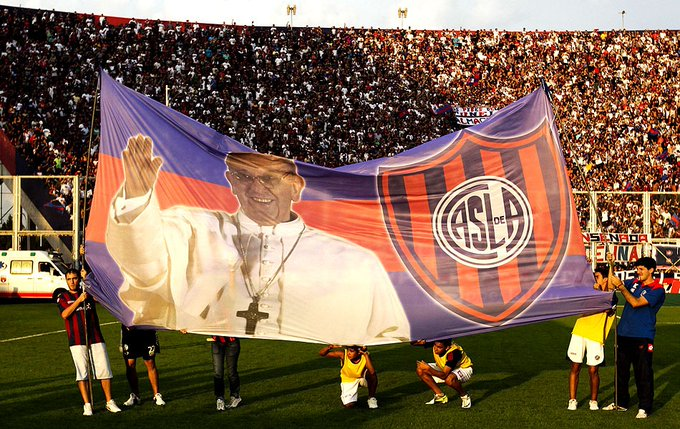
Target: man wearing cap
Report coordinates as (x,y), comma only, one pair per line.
(260,272)
(635,335)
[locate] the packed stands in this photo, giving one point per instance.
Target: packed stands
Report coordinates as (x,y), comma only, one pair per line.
(333,96)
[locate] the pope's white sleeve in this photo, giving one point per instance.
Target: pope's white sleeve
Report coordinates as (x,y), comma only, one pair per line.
(388,319)
(135,240)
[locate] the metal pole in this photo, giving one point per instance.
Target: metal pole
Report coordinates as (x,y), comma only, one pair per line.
(16,220)
(623,26)
(87,177)
(616,344)
(90,361)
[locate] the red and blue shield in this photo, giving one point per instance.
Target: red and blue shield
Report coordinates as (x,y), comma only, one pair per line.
(483,225)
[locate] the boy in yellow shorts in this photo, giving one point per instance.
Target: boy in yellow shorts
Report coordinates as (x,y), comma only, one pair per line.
(587,343)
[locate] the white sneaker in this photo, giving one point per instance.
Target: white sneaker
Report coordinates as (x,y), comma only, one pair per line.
(467,401)
(234,401)
(220,404)
(112,407)
(593,405)
(133,400)
(158,399)
(613,407)
(573,404)
(87,409)
(438,399)
(642,414)
(372,403)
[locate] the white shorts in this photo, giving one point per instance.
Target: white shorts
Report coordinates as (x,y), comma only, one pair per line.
(349,392)
(101,361)
(580,347)
(462,374)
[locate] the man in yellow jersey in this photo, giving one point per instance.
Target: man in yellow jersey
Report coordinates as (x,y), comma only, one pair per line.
(587,340)
(356,371)
(451,366)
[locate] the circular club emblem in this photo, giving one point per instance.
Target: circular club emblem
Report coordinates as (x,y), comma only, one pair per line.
(484,222)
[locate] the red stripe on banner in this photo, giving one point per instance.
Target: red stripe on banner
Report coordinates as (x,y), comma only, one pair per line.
(468,279)
(492,163)
(510,280)
(360,222)
(421,221)
(171,189)
(509,272)
(454,174)
(539,202)
(576,246)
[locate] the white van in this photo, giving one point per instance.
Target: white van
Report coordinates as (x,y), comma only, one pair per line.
(30,274)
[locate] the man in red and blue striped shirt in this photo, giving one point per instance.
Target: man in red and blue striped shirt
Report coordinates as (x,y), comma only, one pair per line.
(78,310)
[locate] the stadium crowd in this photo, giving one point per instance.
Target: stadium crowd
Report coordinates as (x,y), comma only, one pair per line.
(334,96)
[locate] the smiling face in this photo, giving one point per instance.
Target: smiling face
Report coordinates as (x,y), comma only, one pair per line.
(265,186)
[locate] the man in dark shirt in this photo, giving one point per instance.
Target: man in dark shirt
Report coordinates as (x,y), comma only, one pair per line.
(85,340)
(635,335)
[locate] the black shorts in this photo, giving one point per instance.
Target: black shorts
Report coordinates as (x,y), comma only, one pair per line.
(139,343)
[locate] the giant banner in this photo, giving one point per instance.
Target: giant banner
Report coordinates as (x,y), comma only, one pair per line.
(472,232)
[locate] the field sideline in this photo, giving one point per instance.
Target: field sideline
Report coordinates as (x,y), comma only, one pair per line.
(520,379)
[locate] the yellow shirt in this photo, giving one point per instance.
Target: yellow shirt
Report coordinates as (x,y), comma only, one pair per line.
(351,371)
(593,327)
(465,361)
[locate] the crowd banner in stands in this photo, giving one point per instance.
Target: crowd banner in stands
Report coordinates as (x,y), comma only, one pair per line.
(667,256)
(468,116)
(471,232)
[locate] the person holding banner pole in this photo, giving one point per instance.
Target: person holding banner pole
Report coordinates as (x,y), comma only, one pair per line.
(587,341)
(86,341)
(635,335)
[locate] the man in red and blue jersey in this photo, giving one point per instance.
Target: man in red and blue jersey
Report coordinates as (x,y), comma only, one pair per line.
(85,340)
(635,335)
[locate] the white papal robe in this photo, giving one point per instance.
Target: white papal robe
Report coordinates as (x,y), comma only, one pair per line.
(184,268)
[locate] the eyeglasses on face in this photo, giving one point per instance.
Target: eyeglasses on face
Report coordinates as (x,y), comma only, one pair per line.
(267,180)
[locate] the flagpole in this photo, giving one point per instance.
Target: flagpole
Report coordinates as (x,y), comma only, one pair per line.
(616,339)
(89,153)
(91,368)
(598,221)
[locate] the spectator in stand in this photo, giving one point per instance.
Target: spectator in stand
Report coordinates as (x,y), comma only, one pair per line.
(333,96)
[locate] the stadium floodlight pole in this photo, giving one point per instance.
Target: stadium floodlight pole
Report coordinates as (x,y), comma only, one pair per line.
(291,11)
(623,26)
(402,14)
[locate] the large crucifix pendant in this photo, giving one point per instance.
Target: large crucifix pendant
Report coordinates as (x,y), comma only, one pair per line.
(252,315)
